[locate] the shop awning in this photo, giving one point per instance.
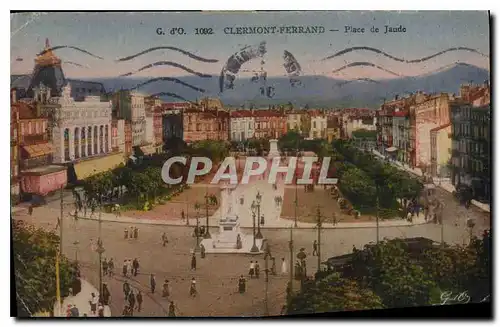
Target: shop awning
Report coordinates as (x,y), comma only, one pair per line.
(38,150)
(391,149)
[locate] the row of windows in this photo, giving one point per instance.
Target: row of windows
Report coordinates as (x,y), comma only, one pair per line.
(37,127)
(85,114)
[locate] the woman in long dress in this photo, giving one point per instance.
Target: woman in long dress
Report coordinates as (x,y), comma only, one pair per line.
(283,266)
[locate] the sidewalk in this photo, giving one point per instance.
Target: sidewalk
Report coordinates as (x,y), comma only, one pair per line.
(448,187)
(81,301)
(277,224)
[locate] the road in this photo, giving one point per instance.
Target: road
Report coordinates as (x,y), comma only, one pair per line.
(217,275)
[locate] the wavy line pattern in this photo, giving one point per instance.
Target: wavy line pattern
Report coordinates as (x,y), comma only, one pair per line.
(69,47)
(168,63)
(169,79)
(187,53)
(342,52)
(173,95)
(366,64)
(356,80)
(75,64)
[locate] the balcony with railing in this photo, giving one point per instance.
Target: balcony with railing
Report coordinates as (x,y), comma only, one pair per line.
(33,139)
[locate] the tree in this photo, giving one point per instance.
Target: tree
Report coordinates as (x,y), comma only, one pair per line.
(34,269)
(388,269)
(331,294)
(358,187)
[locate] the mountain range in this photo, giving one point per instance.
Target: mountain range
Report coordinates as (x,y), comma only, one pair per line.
(315,91)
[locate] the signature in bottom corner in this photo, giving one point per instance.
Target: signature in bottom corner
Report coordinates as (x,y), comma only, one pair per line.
(449,297)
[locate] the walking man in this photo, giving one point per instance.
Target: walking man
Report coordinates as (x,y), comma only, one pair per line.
(124,270)
(257,269)
(125,234)
(135,266)
(126,289)
(273,266)
(131,301)
(183,215)
(315,248)
(193,261)
(164,239)
(171,309)
(283,266)
(202,251)
(111,267)
(136,233)
(251,272)
(192,288)
(139,301)
(152,283)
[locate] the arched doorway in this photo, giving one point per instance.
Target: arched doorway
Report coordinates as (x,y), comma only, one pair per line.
(83,141)
(96,139)
(89,141)
(66,145)
(106,138)
(101,135)
(76,143)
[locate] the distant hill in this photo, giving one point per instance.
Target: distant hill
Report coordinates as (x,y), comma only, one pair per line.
(316,91)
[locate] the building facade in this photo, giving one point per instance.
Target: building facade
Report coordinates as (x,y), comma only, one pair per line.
(401,135)
(14,150)
(441,150)
(318,125)
(242,125)
(471,156)
(269,124)
(80,129)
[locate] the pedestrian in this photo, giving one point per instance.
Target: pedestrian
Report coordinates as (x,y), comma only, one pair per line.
(242,284)
(74,311)
(202,251)
(124,270)
(183,215)
(251,272)
(171,309)
(136,233)
(30,210)
(126,289)
(125,233)
(111,267)
(131,300)
(152,283)
(257,269)
(139,301)
(283,266)
(125,311)
(193,261)
(262,220)
(315,248)
(104,267)
(267,250)
(135,266)
(129,267)
(192,288)
(93,303)
(273,266)
(164,239)
(166,289)
(106,294)
(100,310)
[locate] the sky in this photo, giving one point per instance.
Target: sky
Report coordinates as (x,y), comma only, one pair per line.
(114,35)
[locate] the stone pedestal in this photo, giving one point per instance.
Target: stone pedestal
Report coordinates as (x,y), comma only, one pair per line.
(273,148)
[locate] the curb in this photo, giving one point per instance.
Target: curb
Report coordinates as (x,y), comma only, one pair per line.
(164,223)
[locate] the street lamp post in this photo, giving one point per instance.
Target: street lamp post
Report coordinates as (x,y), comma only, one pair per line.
(258,200)
(207,233)
(254,246)
(100,250)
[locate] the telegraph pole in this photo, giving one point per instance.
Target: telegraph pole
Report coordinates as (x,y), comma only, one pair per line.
(290,244)
(319,238)
(377,217)
(267,285)
(61,222)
